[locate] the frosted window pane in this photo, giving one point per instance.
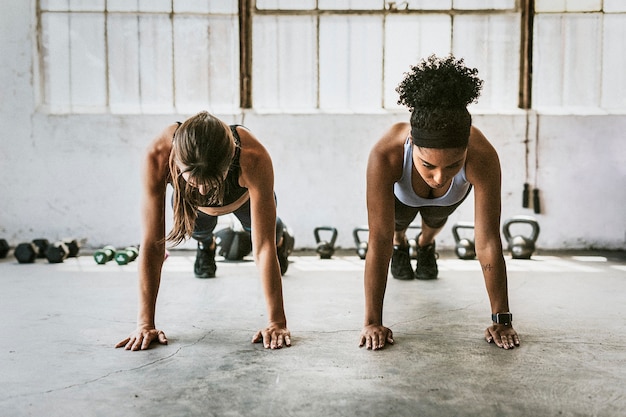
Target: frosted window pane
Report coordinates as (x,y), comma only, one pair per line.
(483,4)
(206,6)
(567,61)
(614,6)
(55,5)
(584,5)
(123,5)
(351,4)
(88,66)
(285,68)
(548,58)
(550,5)
(206,63)
(408,39)
(56,60)
(87,5)
(491,44)
(286,4)
(614,62)
(351,62)
(123,38)
(155,6)
(155,63)
(429,4)
(582,60)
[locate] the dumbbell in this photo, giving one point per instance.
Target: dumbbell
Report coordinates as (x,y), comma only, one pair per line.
(4,248)
(127,255)
(73,246)
(27,252)
(57,252)
(521,247)
(361,245)
(325,248)
(465,248)
(42,245)
(104,255)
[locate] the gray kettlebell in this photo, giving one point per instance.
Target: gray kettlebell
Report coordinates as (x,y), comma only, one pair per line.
(361,245)
(464,247)
(325,248)
(521,246)
(413,242)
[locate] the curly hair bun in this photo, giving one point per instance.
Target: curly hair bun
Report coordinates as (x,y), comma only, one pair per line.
(439,83)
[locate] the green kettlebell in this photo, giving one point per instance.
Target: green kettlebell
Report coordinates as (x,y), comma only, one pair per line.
(325,248)
(361,245)
(464,248)
(521,246)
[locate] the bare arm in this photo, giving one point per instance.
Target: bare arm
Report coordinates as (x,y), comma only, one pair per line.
(258,177)
(383,169)
(152,254)
(483,171)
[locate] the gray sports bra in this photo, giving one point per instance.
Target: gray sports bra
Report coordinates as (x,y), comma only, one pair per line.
(403,189)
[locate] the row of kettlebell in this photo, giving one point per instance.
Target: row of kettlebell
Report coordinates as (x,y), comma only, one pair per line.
(521,246)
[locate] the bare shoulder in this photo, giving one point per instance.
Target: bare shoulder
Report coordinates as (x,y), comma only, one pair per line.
(254,159)
(156,163)
(387,155)
(482,158)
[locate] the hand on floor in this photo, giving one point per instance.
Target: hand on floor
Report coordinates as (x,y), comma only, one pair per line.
(141,339)
(374,337)
(273,337)
(503,336)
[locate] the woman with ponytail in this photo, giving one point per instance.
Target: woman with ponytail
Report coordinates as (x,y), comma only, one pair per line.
(214,169)
(429,166)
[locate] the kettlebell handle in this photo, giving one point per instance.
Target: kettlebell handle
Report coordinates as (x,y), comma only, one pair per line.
(355,233)
(460,225)
(328,229)
(524,220)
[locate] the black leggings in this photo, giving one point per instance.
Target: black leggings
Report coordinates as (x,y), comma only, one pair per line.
(205,224)
(432,216)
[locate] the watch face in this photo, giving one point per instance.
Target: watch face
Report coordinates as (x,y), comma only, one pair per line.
(502,318)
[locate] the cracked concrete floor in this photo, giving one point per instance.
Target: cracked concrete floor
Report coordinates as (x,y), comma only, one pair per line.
(60,322)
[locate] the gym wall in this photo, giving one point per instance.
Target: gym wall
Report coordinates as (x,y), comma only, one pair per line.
(78,174)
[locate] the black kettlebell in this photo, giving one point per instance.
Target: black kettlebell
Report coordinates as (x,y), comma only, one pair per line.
(521,247)
(234,244)
(325,248)
(464,248)
(361,245)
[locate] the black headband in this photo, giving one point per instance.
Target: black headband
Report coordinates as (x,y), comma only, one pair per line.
(452,137)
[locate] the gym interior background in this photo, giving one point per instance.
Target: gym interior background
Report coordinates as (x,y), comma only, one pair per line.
(87,84)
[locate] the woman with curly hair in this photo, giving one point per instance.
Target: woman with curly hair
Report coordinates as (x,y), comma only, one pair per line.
(214,169)
(429,166)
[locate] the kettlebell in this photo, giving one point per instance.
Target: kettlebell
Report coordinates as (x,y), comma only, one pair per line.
(361,246)
(325,249)
(521,247)
(413,242)
(464,248)
(234,244)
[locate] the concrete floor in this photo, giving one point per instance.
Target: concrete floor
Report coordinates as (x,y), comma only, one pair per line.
(60,322)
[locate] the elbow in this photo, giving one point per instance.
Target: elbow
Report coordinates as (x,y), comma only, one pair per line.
(489,250)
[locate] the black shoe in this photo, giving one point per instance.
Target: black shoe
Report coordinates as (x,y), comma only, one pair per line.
(204,266)
(401,263)
(426,262)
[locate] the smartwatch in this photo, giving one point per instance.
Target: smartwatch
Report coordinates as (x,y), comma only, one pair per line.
(502,318)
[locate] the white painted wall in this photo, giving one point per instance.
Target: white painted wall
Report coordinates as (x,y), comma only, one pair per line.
(78,175)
